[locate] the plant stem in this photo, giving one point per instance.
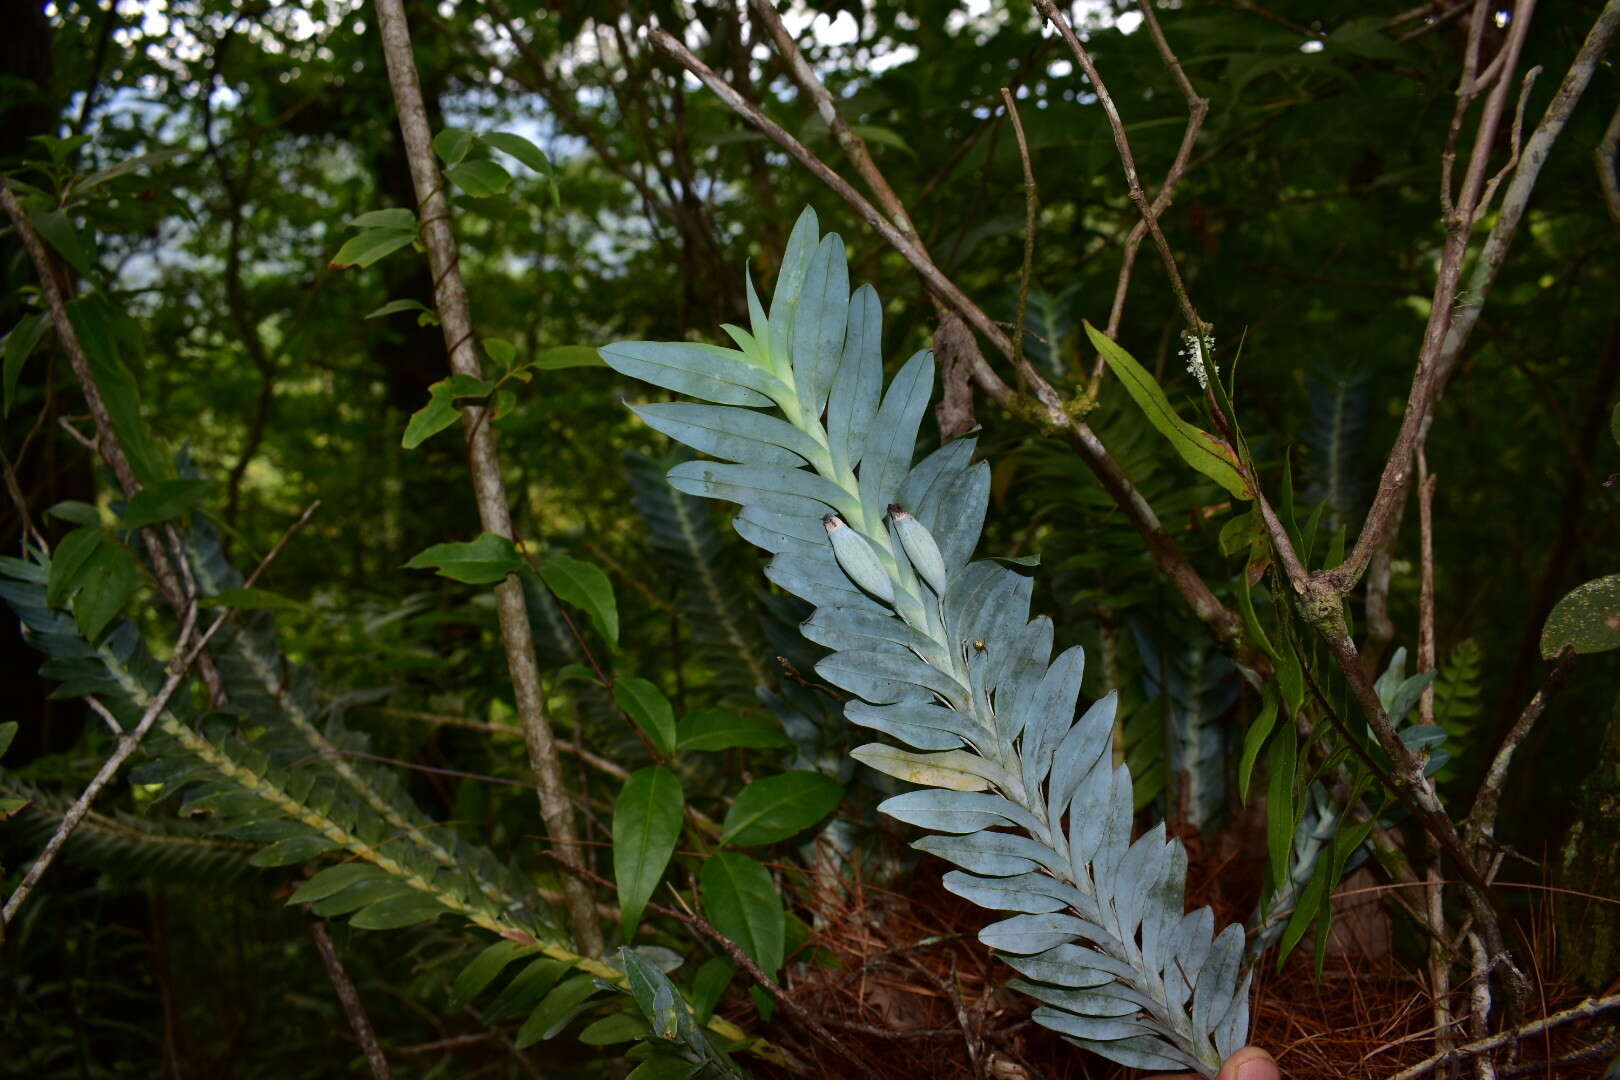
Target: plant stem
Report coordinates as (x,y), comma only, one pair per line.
(450,298)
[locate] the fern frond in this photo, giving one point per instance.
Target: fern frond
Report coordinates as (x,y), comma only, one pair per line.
(293,807)
(1335,436)
(942,656)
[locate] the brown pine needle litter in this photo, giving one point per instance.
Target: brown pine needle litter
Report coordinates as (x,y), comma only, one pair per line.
(897,974)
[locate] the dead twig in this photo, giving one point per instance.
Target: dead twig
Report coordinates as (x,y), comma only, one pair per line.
(353,1008)
(1586,1010)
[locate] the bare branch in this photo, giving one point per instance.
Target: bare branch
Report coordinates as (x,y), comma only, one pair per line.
(450,296)
(1604,157)
(1586,1010)
(1031,205)
(353,1008)
(1482,818)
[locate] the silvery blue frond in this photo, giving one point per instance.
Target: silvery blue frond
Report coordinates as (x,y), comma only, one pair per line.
(943,660)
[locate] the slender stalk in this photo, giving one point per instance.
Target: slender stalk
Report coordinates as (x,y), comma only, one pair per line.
(454,309)
(353,1007)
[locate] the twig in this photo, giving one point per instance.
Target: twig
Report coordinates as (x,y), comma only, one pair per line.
(1197,110)
(1603,157)
(1031,206)
(350,997)
(1481,822)
(450,296)
(1584,1011)
(1122,144)
(1425,651)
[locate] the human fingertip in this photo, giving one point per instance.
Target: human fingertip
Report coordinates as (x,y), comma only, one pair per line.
(1251,1063)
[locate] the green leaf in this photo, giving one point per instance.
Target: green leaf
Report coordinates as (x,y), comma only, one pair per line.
(394,307)
(103,331)
(480,179)
(9,808)
(19,346)
(483,561)
(741,901)
(501,351)
(59,232)
(439,413)
(8,731)
(68,561)
(333,880)
(650,709)
(1280,811)
(722,729)
(618,1028)
(586,587)
(165,501)
(1197,447)
(1312,900)
(397,911)
(520,148)
(466,386)
(292,850)
(243,599)
(569,356)
(452,144)
(525,990)
(79,513)
(106,582)
(646,824)
(396,218)
(776,807)
(665,1067)
(559,1007)
(709,986)
(1253,740)
(369,246)
(483,969)
(1588,618)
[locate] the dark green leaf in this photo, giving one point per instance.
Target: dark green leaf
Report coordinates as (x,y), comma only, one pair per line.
(8,731)
(586,587)
(483,969)
(394,307)
(776,807)
(741,901)
(68,562)
(396,218)
(252,600)
(650,709)
(483,561)
(19,346)
(59,232)
(371,245)
(722,729)
(452,144)
(165,501)
(439,413)
(106,582)
(617,1028)
(1253,740)
(480,179)
(79,513)
(294,849)
(569,356)
(395,912)
(501,351)
(520,148)
(333,880)
(646,824)
(559,1007)
(1197,447)
(1588,619)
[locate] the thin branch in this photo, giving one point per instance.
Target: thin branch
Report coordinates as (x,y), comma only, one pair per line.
(1425,652)
(1584,1011)
(1122,144)
(350,997)
(454,309)
(1031,206)
(1482,818)
(1604,157)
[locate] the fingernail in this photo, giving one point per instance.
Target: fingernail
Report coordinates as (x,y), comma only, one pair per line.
(1258,1069)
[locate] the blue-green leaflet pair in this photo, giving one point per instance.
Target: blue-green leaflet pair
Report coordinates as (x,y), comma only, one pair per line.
(942,657)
